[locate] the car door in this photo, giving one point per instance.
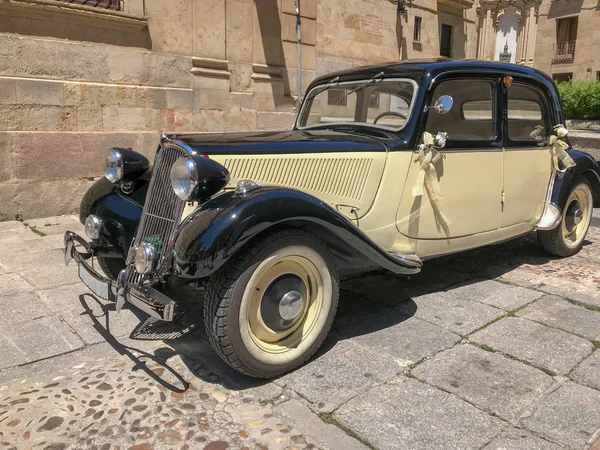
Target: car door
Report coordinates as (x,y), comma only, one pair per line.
(469,174)
(527,162)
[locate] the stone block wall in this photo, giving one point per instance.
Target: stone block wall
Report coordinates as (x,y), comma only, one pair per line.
(586,64)
(77,80)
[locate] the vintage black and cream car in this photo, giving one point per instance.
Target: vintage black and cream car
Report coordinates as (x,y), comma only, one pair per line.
(386,166)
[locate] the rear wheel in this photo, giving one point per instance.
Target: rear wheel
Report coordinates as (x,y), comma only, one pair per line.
(271,306)
(567,238)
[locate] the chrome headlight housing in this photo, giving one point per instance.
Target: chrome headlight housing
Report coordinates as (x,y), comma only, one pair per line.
(113,168)
(145,258)
(93,226)
(184,177)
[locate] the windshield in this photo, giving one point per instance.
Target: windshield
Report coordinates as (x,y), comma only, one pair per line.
(385,103)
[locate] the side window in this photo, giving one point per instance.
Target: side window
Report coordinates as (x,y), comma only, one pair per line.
(473,115)
(528,115)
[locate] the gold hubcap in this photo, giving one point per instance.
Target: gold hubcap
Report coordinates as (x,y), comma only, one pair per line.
(285,302)
(576,217)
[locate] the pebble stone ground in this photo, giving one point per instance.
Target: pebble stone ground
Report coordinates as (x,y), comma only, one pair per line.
(495,348)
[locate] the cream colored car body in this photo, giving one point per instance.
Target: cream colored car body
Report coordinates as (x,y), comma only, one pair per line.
(489,195)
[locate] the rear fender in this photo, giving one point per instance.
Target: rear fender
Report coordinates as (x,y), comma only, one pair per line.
(215,231)
(586,167)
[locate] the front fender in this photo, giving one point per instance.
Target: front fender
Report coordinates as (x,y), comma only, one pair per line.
(215,231)
(119,213)
(587,167)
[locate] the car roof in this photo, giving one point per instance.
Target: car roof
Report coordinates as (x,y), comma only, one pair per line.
(418,68)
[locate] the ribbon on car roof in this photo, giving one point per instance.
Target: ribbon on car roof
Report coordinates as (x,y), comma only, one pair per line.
(427,179)
(558,149)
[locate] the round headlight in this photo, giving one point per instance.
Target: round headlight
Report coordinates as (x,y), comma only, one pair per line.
(184,177)
(145,258)
(113,169)
(93,226)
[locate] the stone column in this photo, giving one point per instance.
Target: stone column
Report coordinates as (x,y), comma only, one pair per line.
(531,35)
(520,38)
(487,35)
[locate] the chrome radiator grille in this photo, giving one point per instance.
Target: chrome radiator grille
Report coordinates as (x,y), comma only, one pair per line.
(162,209)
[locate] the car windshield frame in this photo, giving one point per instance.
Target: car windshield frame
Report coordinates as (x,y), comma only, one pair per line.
(335,84)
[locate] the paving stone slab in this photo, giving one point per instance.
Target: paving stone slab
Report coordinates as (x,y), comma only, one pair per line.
(10,252)
(339,374)
(21,307)
(12,283)
(491,381)
(494,293)
(456,314)
(314,429)
(38,339)
(587,298)
(36,258)
(9,225)
(569,415)
(58,225)
(51,276)
(540,345)
(558,313)
(517,439)
(588,372)
(4,269)
(77,305)
(18,235)
(407,340)
(412,415)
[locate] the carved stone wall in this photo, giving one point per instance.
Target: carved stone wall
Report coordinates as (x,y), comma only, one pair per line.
(76,80)
(491,35)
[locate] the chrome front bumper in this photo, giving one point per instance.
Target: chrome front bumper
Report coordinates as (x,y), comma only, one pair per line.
(147,299)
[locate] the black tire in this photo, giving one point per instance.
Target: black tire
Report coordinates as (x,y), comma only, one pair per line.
(556,241)
(230,330)
(111,266)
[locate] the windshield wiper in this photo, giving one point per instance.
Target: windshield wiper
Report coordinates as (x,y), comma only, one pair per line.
(335,81)
(366,83)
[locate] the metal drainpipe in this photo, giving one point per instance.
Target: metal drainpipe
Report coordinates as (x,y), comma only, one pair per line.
(299,37)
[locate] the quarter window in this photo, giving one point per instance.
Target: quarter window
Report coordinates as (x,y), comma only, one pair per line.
(528,115)
(473,115)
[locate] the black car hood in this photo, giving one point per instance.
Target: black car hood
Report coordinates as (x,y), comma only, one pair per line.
(281,142)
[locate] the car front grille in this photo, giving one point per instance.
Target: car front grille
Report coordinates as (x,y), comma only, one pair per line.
(162,210)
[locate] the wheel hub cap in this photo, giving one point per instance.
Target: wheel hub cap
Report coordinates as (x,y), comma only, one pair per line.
(283,302)
(574,216)
(291,305)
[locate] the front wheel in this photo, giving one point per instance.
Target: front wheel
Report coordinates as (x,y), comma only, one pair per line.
(567,238)
(271,306)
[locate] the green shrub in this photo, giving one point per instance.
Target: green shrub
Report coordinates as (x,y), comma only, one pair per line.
(581,99)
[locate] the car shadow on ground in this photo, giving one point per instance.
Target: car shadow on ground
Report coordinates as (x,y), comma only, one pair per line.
(368,303)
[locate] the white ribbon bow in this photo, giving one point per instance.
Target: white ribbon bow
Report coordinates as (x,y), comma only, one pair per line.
(427,179)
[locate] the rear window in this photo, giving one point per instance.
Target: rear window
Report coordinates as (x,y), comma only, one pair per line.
(528,114)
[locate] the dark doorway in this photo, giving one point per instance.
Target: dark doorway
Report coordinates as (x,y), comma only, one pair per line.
(446,40)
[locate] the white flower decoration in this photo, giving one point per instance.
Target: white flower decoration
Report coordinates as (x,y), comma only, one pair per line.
(440,139)
(561,131)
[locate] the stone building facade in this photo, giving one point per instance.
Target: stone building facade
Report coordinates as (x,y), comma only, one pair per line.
(80,76)
(568,39)
(559,37)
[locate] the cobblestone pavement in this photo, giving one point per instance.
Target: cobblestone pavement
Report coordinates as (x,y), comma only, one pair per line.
(495,348)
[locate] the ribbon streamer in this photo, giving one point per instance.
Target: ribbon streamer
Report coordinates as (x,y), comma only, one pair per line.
(558,150)
(427,179)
